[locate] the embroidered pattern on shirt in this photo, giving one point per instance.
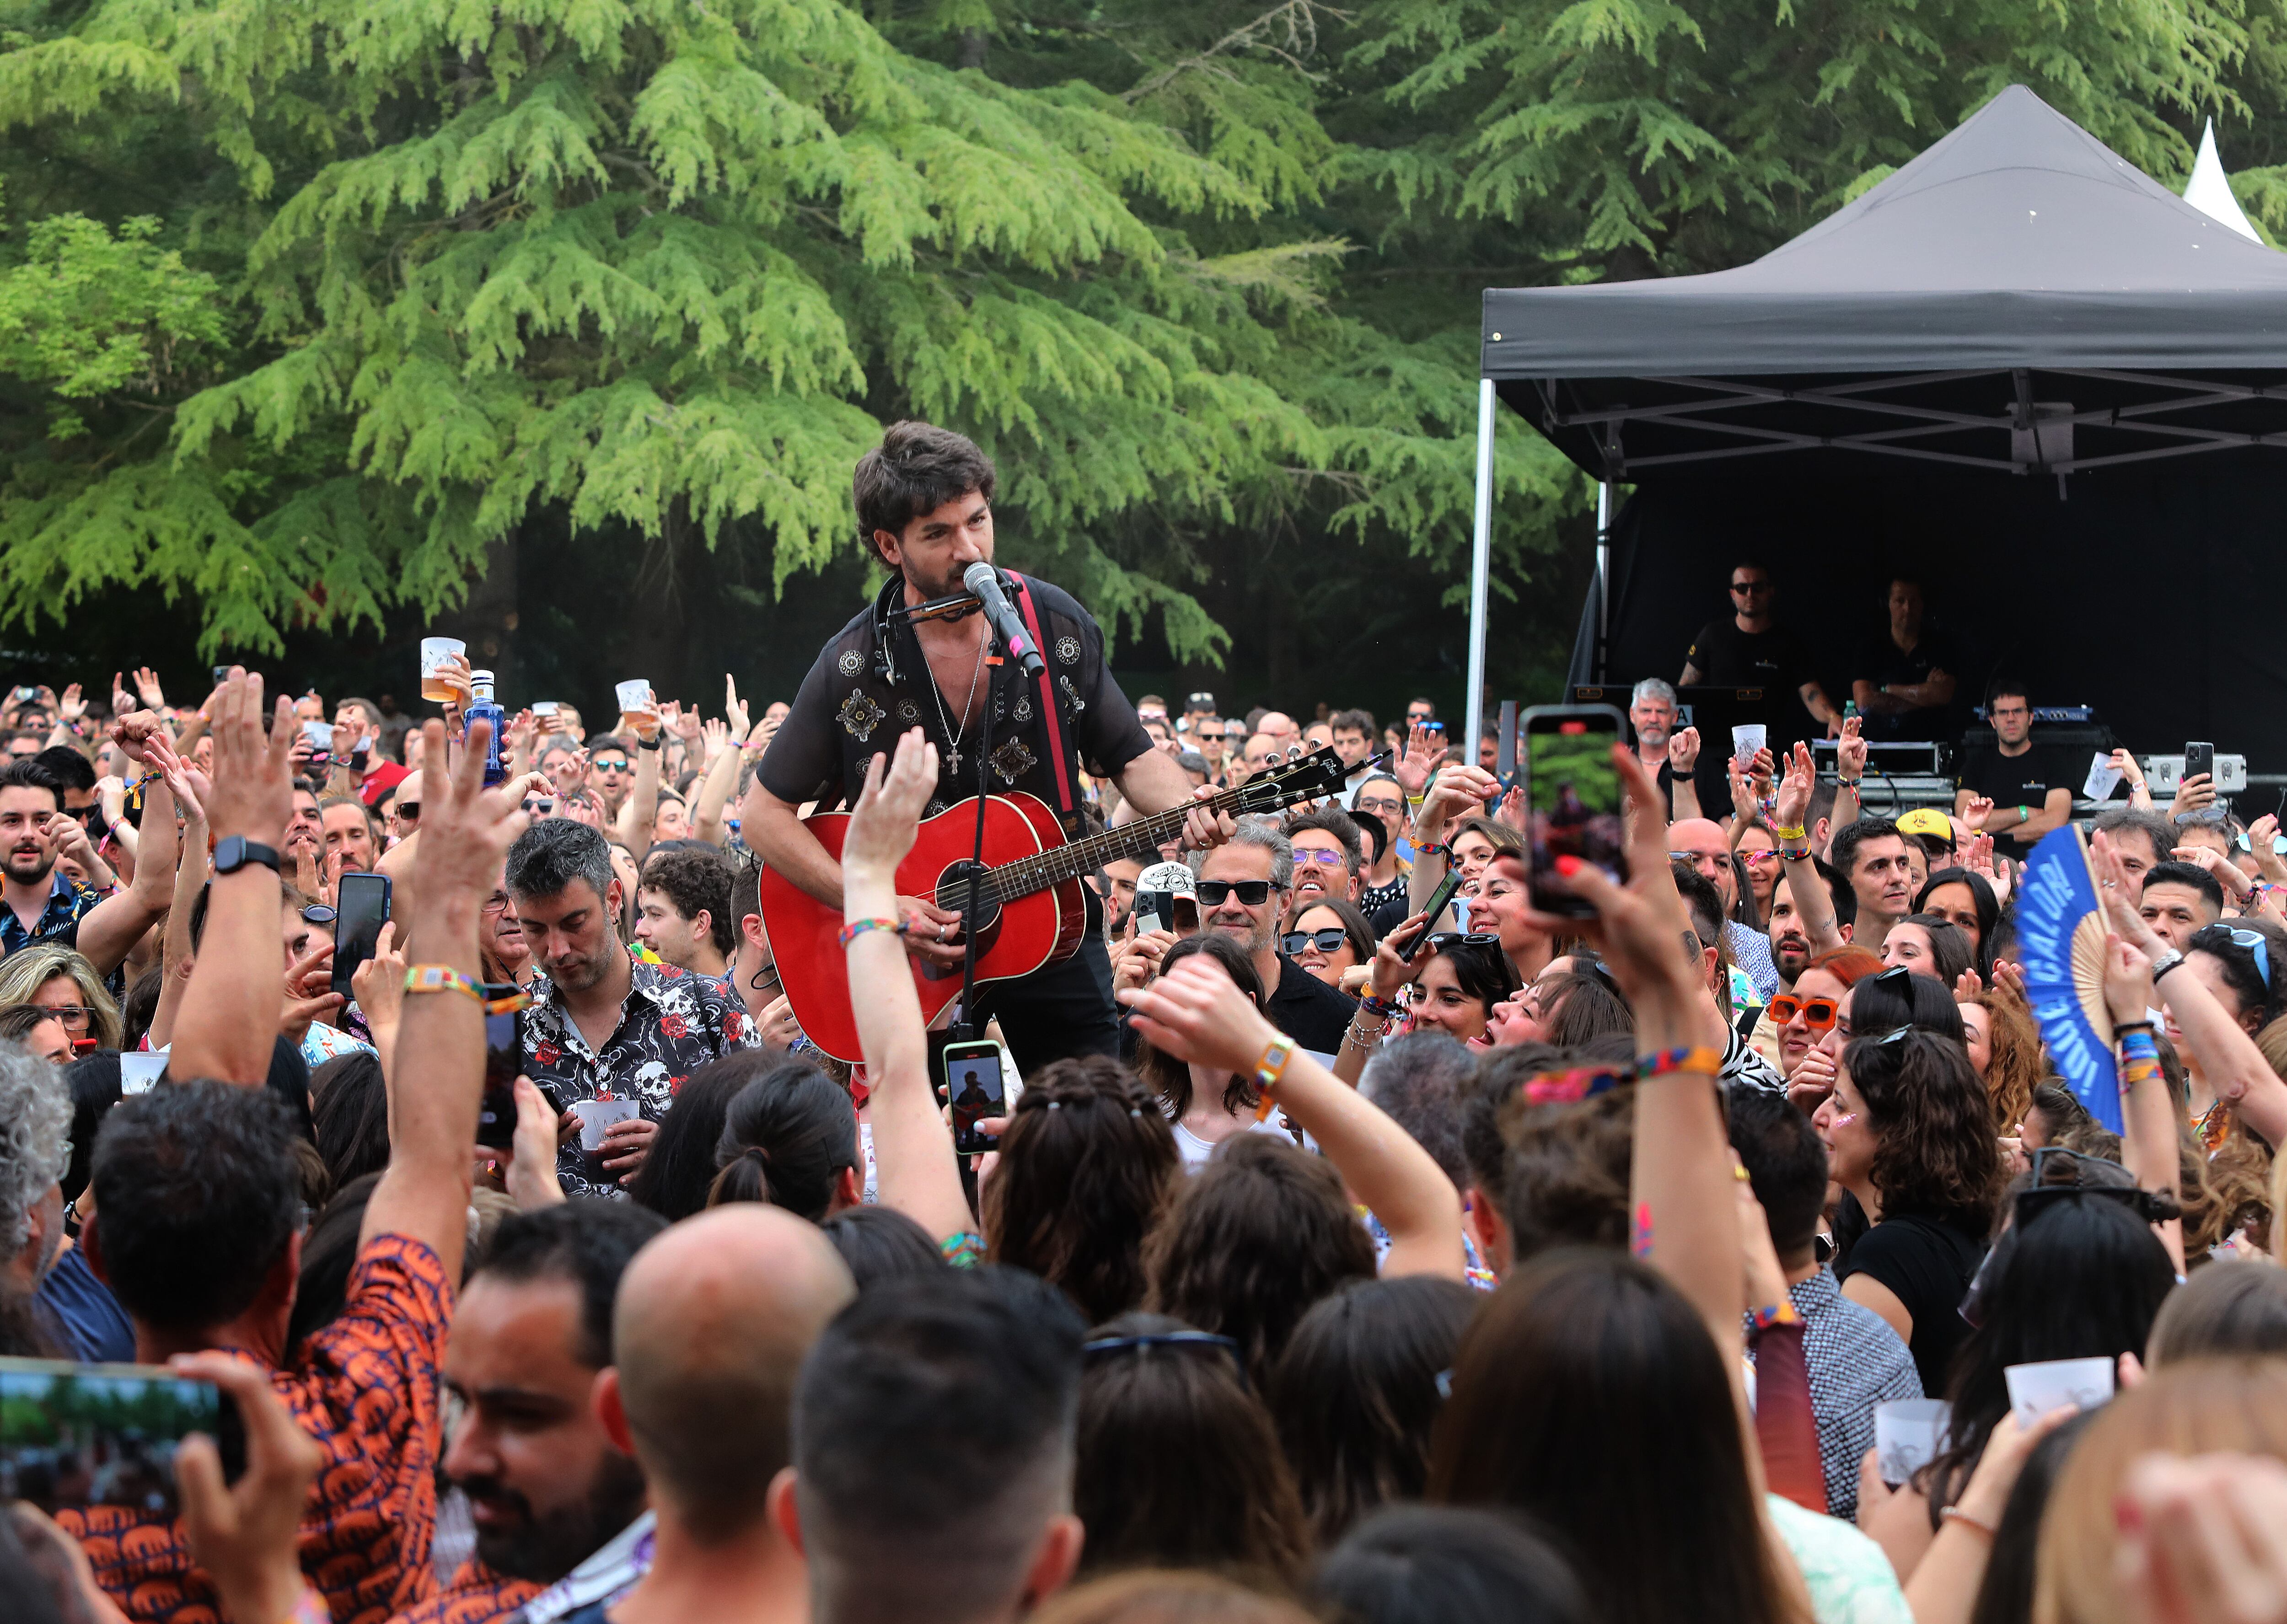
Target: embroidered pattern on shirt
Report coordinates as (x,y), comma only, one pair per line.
(860,715)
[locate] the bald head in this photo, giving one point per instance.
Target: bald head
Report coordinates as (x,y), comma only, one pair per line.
(1704,842)
(710,1332)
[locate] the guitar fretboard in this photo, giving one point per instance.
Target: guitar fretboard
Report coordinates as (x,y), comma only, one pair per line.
(1140,840)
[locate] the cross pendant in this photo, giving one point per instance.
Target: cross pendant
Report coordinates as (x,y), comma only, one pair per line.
(952,759)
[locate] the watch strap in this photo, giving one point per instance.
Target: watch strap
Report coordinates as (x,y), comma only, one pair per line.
(236,852)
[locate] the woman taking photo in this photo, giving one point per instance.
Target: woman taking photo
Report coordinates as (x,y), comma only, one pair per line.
(1909,1133)
(1459,980)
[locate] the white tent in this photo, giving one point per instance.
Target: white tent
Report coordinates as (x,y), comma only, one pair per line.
(2210,192)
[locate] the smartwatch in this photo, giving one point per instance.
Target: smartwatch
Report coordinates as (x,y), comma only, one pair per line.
(234,851)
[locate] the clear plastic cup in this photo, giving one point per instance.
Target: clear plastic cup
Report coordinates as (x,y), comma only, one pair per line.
(438,684)
(634,698)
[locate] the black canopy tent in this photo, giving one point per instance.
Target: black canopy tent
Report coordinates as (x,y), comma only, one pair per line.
(2018,366)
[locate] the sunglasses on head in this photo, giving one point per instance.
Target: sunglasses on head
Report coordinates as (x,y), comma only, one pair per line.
(1326,941)
(319,914)
(1897,978)
(1439,941)
(1251,893)
(1104,1347)
(2252,940)
(1817,1013)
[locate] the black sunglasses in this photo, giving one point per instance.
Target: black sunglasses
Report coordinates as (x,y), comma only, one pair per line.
(1439,941)
(1326,940)
(1251,893)
(407,810)
(319,914)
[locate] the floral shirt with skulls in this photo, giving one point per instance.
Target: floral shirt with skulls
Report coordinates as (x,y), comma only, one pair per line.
(673,1023)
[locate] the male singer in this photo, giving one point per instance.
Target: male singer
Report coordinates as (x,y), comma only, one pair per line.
(924,502)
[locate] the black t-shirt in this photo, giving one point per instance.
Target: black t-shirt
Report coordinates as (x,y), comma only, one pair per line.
(1881,661)
(1308,1010)
(1727,657)
(871,684)
(1927,1263)
(2017,780)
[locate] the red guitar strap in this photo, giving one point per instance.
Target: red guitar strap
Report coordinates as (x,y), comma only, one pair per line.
(1066,800)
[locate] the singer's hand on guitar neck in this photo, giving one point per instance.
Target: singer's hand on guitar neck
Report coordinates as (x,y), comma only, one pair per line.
(1204,826)
(882,832)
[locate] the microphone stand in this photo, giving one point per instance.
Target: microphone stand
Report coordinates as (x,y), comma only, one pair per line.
(969,1028)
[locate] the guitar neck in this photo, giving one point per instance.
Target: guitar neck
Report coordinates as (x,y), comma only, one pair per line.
(1139,842)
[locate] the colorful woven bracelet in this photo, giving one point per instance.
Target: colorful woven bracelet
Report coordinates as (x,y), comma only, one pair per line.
(857,928)
(1386,1008)
(965,1250)
(1777,1313)
(1267,1070)
(1430,848)
(1709,1061)
(442,978)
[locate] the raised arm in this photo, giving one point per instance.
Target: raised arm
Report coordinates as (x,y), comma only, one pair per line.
(440,1036)
(1814,904)
(114,925)
(229,1020)
(2228,1057)
(2149,1144)
(640,812)
(915,1168)
(1196,1013)
(727,750)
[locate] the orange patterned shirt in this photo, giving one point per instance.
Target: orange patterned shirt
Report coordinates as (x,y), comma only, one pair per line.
(476,1595)
(366,1389)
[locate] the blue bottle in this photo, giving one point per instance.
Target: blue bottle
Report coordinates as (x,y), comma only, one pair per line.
(483,708)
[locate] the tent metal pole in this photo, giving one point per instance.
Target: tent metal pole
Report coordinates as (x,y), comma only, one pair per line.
(1603,571)
(1480,575)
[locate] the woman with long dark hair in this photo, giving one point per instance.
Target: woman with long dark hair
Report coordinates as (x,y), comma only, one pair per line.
(1909,1133)
(789,1138)
(1206,1107)
(1965,898)
(1087,1164)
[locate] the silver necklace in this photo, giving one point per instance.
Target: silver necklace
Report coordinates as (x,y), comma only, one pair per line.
(953,755)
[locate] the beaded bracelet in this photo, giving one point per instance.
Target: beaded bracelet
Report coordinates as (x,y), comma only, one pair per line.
(1268,1070)
(1777,1313)
(857,928)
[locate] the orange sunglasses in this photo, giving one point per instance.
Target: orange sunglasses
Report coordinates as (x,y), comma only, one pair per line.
(1817,1013)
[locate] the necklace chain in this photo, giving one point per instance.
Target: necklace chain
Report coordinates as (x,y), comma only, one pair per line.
(953,733)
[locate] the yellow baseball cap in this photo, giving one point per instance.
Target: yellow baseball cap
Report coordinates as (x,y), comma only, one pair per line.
(1927,820)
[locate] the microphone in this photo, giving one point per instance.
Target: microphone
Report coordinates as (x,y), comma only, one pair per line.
(983,579)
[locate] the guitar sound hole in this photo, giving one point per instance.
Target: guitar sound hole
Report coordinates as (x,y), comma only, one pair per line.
(952,892)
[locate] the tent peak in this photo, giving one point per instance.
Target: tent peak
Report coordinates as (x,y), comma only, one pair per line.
(2209,190)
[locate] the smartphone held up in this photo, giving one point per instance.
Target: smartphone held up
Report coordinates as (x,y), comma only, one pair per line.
(75,1435)
(1574,800)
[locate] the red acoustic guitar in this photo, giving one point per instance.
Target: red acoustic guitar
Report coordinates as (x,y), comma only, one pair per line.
(1031,912)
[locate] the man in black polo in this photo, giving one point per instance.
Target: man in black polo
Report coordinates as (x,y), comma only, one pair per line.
(925,504)
(1750,649)
(2031,789)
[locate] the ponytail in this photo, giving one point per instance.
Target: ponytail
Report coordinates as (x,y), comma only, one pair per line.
(787,1137)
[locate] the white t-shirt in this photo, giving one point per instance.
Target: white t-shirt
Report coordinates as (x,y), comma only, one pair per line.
(1195,1150)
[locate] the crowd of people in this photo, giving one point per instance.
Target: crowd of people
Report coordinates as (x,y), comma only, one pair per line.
(1504,1264)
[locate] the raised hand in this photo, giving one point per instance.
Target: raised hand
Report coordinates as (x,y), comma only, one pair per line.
(1683,751)
(253,792)
(1196,1013)
(881,833)
(1390,973)
(1424,754)
(135,732)
(122,700)
(733,711)
(1974,814)
(71,707)
(466,828)
(2260,834)
(245,1535)
(2127,979)
(146,688)
(1792,801)
(1850,750)
(719,738)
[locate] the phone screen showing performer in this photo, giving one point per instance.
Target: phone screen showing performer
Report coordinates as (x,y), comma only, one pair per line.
(975,1090)
(1573,799)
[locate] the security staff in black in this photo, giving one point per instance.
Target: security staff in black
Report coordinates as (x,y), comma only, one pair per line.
(924,506)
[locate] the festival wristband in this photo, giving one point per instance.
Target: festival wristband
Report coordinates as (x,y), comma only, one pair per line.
(1571,1088)
(443,978)
(1774,1313)
(857,928)
(1794,832)
(1430,848)
(1384,1007)
(1707,1062)
(1795,854)
(1268,1070)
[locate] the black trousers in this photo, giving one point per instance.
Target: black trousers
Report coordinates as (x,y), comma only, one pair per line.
(1059,1010)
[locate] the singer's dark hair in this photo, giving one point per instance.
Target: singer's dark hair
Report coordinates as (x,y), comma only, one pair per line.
(917,469)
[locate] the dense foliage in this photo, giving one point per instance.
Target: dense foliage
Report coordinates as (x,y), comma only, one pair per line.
(312,312)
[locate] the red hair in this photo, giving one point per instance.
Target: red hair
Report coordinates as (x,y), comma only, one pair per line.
(1847,965)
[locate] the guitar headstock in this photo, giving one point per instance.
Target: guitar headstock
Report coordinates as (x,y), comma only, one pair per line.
(1299,778)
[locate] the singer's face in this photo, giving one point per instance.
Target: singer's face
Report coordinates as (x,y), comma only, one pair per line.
(938,545)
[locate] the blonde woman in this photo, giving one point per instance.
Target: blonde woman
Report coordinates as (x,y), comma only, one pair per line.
(62,978)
